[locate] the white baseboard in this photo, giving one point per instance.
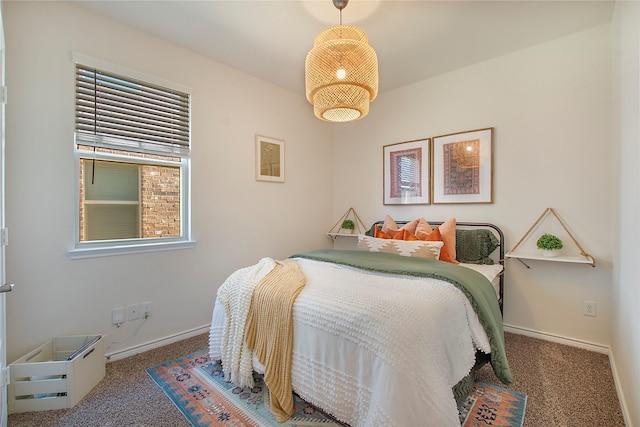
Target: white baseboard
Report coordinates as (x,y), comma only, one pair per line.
(623,405)
(141,348)
(598,348)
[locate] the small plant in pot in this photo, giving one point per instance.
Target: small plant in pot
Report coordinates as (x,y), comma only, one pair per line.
(348,226)
(549,244)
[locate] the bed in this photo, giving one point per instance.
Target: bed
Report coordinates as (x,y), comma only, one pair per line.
(378,338)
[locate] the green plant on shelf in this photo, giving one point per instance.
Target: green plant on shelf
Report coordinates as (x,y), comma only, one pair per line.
(349,225)
(549,242)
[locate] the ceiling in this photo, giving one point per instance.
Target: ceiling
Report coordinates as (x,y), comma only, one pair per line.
(414,39)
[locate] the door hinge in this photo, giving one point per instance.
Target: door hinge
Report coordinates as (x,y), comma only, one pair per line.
(3,94)
(4,237)
(6,378)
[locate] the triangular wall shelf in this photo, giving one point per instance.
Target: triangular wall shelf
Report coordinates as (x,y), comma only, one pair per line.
(351,214)
(526,246)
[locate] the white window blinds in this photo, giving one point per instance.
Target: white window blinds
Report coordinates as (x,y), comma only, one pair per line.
(120,113)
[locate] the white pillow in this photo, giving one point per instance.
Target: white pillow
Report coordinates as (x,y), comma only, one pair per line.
(409,248)
(490,271)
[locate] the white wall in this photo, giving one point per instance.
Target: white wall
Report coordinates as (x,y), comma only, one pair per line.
(626,200)
(550,106)
(236,220)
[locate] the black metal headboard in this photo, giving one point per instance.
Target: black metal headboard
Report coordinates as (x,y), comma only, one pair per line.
(470,225)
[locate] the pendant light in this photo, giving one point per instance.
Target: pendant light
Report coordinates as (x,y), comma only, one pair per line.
(341,72)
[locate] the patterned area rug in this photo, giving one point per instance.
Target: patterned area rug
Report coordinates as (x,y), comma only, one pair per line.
(196,386)
(492,405)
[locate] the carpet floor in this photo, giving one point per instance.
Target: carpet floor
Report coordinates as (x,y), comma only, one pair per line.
(565,387)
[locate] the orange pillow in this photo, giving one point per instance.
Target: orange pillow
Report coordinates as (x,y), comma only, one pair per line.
(448,232)
(401,234)
(422,229)
(389,226)
(410,226)
(435,236)
(380,234)
(404,234)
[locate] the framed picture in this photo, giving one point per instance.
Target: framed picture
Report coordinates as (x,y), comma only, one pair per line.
(406,172)
(269,159)
(462,167)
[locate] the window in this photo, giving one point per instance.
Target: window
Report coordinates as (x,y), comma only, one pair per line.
(132,145)
(111,205)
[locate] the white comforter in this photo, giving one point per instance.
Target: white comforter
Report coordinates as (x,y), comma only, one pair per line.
(377,349)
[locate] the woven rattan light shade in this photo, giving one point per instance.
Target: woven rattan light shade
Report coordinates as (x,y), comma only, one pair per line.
(341,73)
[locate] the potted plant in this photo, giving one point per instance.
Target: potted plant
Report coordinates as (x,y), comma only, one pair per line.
(348,226)
(549,244)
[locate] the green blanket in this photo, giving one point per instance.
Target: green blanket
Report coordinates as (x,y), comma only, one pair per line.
(474,285)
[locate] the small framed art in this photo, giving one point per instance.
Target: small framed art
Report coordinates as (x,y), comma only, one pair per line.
(406,172)
(462,168)
(269,159)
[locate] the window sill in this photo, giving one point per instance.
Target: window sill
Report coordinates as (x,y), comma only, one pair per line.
(93,252)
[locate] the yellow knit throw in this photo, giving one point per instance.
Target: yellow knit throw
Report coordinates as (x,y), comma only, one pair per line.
(269,331)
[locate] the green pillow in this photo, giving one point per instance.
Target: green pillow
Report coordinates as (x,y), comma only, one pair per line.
(371,232)
(475,246)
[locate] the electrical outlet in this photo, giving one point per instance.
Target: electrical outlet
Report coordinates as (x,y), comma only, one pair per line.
(146,309)
(589,308)
(117,316)
(134,312)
